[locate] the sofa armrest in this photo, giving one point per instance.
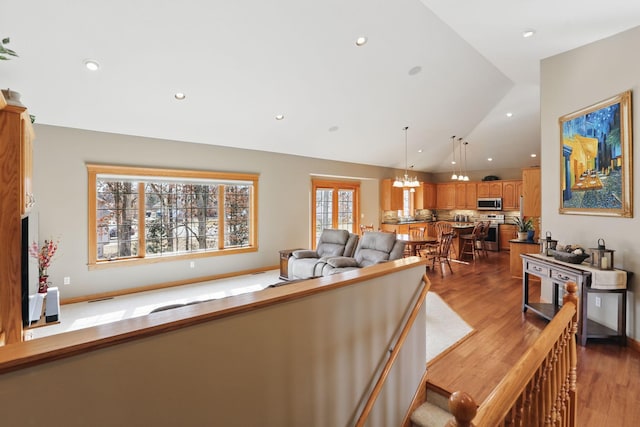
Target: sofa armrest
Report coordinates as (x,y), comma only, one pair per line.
(305,253)
(342,261)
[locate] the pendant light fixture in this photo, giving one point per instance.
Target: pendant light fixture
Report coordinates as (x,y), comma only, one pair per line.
(460,175)
(406,182)
(466,177)
(453,157)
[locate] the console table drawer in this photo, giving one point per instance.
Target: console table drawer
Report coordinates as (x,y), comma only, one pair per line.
(563,277)
(537,269)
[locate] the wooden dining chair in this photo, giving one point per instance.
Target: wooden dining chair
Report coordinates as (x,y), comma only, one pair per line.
(441,254)
(364,228)
(415,233)
(441,227)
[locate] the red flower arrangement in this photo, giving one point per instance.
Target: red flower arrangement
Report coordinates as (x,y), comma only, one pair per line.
(44,254)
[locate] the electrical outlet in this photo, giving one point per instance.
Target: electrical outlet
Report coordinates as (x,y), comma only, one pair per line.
(598,301)
(192,264)
(67,280)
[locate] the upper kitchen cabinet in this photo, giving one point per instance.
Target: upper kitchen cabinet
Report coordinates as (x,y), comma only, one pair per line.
(511,191)
(425,196)
(471,190)
(390,196)
(531,192)
(465,195)
(490,189)
(445,195)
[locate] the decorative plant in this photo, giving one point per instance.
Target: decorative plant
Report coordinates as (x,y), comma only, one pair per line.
(524,225)
(44,254)
(5,52)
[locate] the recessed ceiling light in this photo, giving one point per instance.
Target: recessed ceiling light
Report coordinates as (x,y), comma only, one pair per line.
(333,128)
(528,33)
(415,70)
(534,155)
(420,150)
(509,114)
(91,64)
(490,159)
(361,41)
(179,96)
(280,117)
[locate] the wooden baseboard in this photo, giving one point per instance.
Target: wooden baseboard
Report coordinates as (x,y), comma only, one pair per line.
(633,344)
(107,295)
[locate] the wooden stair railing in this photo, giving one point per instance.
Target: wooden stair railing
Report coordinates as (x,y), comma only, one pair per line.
(540,389)
(394,353)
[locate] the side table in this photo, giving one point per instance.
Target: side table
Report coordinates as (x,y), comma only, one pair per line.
(285,254)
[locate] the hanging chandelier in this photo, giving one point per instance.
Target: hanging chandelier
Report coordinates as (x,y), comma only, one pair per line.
(406,181)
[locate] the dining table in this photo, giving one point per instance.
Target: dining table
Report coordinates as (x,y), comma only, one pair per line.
(414,242)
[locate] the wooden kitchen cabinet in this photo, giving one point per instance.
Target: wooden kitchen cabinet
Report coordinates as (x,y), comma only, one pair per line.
(390,196)
(490,189)
(429,195)
(445,195)
(532,199)
(471,195)
(511,195)
(506,232)
(460,195)
(16,199)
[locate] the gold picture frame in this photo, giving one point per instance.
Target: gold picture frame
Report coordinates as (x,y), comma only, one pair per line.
(596,161)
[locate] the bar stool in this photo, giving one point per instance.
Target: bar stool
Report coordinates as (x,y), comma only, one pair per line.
(481,246)
(469,242)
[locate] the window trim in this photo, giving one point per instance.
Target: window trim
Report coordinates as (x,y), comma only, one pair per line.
(93,170)
(334,185)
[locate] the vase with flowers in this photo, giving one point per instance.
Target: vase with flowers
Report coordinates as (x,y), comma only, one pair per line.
(44,254)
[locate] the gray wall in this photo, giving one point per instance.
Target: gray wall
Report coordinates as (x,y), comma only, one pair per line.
(288,364)
(60,187)
(570,82)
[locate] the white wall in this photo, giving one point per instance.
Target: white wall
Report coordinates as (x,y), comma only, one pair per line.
(305,362)
(570,82)
(60,187)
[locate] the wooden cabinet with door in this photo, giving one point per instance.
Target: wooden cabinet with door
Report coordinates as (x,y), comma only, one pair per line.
(490,189)
(506,232)
(531,192)
(471,198)
(425,196)
(445,195)
(465,195)
(16,198)
(390,196)
(511,195)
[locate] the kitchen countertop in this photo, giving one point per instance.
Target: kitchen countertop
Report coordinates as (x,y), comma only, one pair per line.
(528,242)
(406,222)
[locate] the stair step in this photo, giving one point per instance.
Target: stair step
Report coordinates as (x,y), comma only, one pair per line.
(430,415)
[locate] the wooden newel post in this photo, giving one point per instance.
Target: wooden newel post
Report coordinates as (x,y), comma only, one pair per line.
(571,295)
(463,408)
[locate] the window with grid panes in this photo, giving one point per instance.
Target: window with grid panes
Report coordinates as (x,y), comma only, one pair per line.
(144,214)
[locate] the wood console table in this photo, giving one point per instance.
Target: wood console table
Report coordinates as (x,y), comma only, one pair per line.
(560,273)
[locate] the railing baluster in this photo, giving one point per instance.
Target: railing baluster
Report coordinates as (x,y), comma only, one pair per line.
(540,389)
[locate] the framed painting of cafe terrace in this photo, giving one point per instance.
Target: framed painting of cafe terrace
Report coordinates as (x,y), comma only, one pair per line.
(596,164)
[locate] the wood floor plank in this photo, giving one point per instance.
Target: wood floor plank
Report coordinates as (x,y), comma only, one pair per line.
(486,296)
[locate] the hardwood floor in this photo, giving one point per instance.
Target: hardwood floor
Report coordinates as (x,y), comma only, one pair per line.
(490,300)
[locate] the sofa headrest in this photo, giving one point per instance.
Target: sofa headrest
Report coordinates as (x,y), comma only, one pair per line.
(377,240)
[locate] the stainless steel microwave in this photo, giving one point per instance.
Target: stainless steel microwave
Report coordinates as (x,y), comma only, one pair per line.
(489,204)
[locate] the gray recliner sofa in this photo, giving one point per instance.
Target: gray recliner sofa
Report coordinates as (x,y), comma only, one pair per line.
(374,247)
(306,263)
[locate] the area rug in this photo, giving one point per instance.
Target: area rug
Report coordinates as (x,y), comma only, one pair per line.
(445,329)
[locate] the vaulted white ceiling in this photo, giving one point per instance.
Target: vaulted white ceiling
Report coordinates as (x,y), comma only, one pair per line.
(441,67)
